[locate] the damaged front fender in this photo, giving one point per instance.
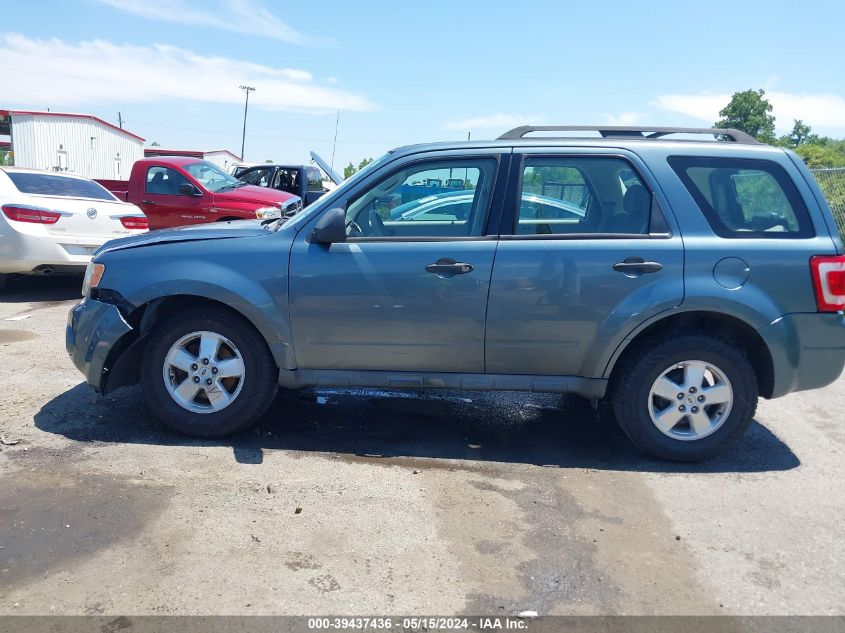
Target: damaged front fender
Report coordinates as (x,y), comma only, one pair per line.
(93,330)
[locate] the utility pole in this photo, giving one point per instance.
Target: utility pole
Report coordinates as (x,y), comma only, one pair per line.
(247,90)
(120,120)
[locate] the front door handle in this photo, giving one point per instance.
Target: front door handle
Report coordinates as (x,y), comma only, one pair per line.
(636,266)
(446,267)
(147,201)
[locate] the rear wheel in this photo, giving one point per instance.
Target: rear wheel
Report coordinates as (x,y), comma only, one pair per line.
(685,398)
(208,374)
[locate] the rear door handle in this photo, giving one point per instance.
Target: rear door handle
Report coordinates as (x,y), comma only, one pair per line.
(636,266)
(446,267)
(147,201)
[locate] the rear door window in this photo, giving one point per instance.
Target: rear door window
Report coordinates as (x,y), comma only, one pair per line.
(582,194)
(743,198)
(315,180)
(49,185)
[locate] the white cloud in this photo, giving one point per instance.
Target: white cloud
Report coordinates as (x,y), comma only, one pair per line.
(40,73)
(624,118)
(816,110)
(499,121)
(240,16)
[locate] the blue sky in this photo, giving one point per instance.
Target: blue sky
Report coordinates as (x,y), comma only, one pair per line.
(404,72)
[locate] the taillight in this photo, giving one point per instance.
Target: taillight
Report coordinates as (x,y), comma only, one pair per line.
(34,215)
(829,281)
(135,222)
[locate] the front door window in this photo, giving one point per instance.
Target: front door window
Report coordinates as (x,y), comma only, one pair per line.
(432,199)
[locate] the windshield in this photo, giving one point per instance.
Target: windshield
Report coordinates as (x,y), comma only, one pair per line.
(212,177)
(329,198)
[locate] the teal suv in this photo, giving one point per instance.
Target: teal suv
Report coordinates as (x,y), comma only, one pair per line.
(674,278)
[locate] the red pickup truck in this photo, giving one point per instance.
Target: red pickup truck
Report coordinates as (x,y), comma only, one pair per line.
(174,191)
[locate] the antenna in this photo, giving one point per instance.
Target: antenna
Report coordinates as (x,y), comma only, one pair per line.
(334,145)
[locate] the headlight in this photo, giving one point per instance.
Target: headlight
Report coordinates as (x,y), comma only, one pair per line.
(93,275)
(268,213)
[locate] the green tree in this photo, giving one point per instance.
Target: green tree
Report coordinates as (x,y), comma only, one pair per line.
(349,170)
(364,163)
(801,134)
(750,112)
(824,152)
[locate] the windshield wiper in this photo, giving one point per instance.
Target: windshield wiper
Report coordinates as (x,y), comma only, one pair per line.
(235,185)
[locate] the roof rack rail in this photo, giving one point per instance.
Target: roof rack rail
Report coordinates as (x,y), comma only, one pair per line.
(618,131)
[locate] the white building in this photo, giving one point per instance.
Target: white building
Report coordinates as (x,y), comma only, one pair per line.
(223,158)
(77,143)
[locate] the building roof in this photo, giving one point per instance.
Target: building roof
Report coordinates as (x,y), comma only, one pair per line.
(223,151)
(160,151)
(176,160)
(73,116)
(198,153)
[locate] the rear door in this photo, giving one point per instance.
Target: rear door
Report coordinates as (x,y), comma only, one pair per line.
(162,203)
(402,293)
(587,252)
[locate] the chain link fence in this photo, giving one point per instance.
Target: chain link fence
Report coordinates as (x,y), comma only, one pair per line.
(832,183)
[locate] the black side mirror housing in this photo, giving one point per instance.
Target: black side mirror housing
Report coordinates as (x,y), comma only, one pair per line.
(331,228)
(187,189)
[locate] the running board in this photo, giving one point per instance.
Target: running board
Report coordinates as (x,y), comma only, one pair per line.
(592,388)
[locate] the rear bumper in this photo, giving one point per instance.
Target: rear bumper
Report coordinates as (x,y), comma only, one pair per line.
(22,252)
(93,329)
(808,350)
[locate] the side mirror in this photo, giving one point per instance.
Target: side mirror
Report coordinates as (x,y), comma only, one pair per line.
(187,189)
(331,228)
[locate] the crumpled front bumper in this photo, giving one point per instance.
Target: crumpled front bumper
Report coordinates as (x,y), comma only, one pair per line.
(93,329)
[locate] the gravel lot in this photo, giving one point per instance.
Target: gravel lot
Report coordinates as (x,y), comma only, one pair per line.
(368,503)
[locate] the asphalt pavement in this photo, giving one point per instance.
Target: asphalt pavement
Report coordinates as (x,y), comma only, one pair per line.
(371,502)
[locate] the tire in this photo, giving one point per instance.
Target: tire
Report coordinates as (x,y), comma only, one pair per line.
(239,398)
(638,406)
(3,278)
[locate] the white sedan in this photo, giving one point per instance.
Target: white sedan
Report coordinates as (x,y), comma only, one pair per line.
(52,223)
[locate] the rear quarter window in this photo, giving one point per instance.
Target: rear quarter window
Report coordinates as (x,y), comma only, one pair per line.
(744,198)
(49,185)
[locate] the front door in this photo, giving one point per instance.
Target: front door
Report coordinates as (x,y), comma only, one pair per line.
(586,254)
(164,205)
(408,289)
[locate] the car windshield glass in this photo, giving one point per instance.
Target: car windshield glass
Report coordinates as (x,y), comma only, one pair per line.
(212,177)
(50,185)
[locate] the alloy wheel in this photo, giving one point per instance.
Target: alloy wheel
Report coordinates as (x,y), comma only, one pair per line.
(203,372)
(690,400)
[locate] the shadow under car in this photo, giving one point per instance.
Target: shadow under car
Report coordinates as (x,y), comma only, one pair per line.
(411,430)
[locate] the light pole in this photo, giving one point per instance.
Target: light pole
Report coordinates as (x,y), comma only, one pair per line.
(247,90)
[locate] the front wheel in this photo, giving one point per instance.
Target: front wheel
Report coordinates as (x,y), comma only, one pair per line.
(208,374)
(685,398)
